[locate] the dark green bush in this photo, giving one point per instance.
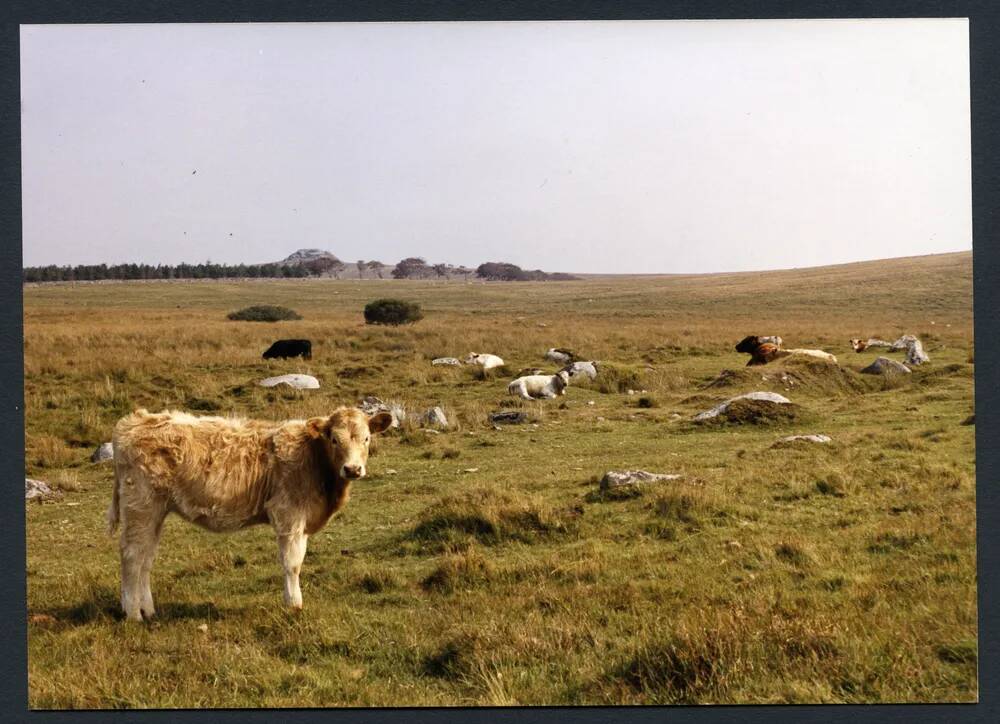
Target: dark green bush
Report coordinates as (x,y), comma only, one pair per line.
(392,311)
(263,313)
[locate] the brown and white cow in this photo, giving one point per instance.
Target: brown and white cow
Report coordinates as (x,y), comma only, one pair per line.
(226,474)
(763,352)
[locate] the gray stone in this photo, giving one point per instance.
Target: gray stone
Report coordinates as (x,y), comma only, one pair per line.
(622,478)
(450,361)
(806,438)
(299,382)
(37,489)
(371,405)
(435,416)
(559,356)
(508,417)
(885,366)
(915,354)
(723,406)
(102,453)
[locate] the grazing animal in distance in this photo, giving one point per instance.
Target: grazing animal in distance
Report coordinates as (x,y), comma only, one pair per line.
(486,361)
(560,355)
(858,346)
(285,348)
(533,387)
(760,352)
(581,368)
(226,474)
(817,353)
(763,352)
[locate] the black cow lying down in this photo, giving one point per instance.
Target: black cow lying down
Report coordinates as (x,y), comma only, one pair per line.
(284,348)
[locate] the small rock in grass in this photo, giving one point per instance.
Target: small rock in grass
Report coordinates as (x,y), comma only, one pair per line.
(885,366)
(299,382)
(722,407)
(508,417)
(38,490)
(102,453)
(449,361)
(435,416)
(805,438)
(203,628)
(622,478)
(471,470)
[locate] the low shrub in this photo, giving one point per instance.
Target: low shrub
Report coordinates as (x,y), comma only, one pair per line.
(263,313)
(392,311)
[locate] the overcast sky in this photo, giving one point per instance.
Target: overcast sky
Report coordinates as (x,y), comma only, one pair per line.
(665,146)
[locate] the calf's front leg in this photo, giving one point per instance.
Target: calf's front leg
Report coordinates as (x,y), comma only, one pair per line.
(291,552)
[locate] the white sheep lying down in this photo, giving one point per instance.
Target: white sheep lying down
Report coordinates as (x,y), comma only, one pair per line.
(487,361)
(531,387)
(818,353)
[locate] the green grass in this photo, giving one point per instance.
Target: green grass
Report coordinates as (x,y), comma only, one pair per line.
(838,572)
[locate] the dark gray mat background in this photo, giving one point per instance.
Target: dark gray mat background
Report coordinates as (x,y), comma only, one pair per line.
(985,82)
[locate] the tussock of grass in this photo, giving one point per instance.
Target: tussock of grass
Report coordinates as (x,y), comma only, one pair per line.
(488,516)
(700,663)
(758,412)
(614,378)
(459,570)
(377,580)
(457,658)
(689,505)
(794,553)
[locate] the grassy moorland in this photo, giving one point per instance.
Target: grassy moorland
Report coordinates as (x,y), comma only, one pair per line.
(482,566)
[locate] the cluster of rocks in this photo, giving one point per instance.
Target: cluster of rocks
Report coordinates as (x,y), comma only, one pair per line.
(434,417)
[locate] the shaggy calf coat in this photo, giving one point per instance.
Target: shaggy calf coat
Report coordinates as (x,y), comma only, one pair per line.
(225,474)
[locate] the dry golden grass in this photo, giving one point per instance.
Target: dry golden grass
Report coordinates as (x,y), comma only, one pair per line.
(793,573)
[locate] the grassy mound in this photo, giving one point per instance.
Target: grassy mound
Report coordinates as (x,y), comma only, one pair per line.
(489,517)
(757,412)
(614,378)
(392,311)
(799,372)
(263,313)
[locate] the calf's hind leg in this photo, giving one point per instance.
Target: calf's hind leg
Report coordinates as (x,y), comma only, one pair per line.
(141,527)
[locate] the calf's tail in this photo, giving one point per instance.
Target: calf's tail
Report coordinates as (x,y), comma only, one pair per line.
(114,515)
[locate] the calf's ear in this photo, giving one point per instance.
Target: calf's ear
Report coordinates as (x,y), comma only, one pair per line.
(318,426)
(380,422)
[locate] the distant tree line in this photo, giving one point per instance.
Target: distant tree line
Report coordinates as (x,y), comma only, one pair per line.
(417,268)
(97,272)
(504,272)
(409,268)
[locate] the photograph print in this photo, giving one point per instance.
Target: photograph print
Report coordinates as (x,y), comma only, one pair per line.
(466,364)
